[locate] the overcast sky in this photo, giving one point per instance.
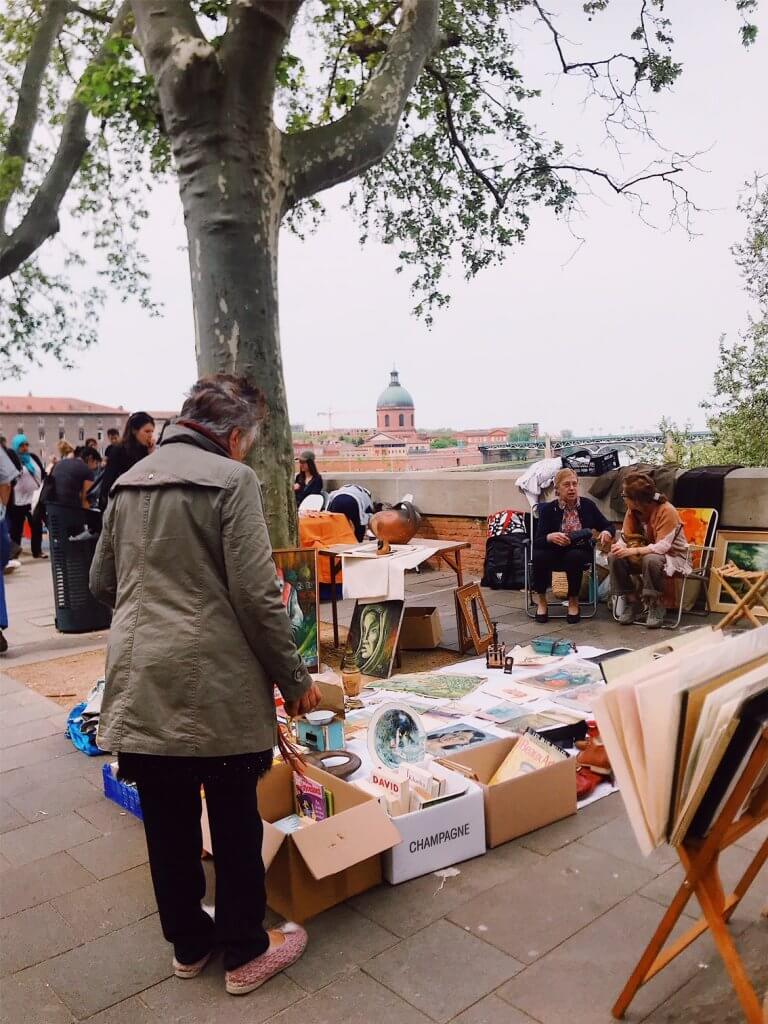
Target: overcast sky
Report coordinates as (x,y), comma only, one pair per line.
(621,334)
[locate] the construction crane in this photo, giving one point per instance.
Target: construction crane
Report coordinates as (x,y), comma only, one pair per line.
(330,413)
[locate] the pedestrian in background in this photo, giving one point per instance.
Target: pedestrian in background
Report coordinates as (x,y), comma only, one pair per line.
(137,442)
(8,476)
(25,492)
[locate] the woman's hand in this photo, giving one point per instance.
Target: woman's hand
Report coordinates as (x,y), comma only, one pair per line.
(605,537)
(307,702)
(295,487)
(620,551)
(561,539)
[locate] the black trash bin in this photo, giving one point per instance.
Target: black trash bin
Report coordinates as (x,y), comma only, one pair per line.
(72,546)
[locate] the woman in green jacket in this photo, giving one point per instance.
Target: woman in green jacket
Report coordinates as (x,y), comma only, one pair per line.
(199,638)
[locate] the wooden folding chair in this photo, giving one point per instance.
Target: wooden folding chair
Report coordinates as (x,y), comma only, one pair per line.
(757,593)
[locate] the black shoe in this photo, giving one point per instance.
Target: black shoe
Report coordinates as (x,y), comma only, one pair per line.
(3,643)
(573,619)
(542,616)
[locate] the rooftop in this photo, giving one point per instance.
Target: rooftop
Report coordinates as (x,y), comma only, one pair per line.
(21,404)
(395,396)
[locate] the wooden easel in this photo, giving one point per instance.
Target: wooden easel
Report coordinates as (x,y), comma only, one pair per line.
(700,862)
(757,594)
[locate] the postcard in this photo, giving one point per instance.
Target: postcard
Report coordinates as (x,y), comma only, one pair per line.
(441,685)
(566,677)
(453,738)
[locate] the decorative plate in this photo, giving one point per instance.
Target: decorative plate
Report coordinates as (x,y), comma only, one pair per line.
(396,736)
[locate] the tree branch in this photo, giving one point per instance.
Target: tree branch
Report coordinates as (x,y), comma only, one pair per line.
(42,217)
(253,44)
(25,119)
(457,142)
(327,155)
(169,37)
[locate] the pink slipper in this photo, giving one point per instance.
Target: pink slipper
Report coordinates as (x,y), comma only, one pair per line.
(250,976)
(190,970)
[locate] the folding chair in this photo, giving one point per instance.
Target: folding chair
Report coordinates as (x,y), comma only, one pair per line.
(700,527)
(558,610)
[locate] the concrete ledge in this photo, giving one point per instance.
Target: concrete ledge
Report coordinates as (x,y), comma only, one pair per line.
(478,494)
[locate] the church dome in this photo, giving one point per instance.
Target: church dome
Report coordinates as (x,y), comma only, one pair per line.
(395,396)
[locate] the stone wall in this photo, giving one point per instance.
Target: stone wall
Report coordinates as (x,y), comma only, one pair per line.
(455,506)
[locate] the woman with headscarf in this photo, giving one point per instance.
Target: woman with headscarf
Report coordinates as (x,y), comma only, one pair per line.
(198,642)
(26,487)
(374,651)
(137,442)
(661,550)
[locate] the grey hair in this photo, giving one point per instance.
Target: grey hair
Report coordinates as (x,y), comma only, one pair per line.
(222,403)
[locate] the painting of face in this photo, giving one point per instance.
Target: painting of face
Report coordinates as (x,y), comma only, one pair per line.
(372,640)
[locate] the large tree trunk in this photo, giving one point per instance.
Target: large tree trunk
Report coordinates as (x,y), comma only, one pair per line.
(233,208)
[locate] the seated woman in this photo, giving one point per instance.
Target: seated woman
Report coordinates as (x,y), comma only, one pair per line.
(560,544)
(308,480)
(654,519)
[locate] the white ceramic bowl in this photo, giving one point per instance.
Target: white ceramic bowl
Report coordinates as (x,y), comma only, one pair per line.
(319,717)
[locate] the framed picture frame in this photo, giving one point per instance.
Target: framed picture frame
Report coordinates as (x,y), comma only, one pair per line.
(297,578)
(746,549)
(374,634)
(475,626)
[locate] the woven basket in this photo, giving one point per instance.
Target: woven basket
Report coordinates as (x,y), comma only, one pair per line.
(560,585)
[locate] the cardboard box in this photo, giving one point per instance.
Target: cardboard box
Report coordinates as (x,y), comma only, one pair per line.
(326,863)
(526,803)
(439,836)
(421,629)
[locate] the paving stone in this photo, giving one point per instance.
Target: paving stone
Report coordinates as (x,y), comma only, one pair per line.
(110,904)
(32,936)
(113,853)
(29,712)
(10,817)
(554,837)
(130,1011)
(72,765)
(54,798)
(104,972)
(44,837)
(30,999)
(354,999)
(205,1000)
(339,940)
(407,908)
(25,731)
(492,1010)
(709,997)
(107,816)
(580,980)
(39,882)
(754,840)
(442,970)
(34,752)
(617,838)
(733,863)
(554,899)
(25,696)
(8,685)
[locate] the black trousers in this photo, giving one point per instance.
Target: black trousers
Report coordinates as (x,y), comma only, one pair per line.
(347,506)
(570,560)
(169,788)
(17,515)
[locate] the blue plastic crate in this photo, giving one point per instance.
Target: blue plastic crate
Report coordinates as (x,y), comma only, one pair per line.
(120,793)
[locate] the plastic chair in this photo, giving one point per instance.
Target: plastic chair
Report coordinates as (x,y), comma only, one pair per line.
(558,610)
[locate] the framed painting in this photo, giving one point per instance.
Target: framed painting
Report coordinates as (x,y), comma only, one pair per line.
(297,578)
(373,637)
(746,550)
(475,626)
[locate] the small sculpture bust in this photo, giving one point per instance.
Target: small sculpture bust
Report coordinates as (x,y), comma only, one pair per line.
(396,525)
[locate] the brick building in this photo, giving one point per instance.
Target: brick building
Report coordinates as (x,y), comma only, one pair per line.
(46,421)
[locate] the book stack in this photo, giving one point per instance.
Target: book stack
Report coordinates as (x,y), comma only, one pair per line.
(407,789)
(680,727)
(529,754)
(313,801)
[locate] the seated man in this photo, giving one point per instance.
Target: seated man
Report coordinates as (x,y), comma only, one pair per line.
(651,518)
(563,542)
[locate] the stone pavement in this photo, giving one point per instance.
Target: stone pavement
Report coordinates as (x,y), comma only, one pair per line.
(544,929)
